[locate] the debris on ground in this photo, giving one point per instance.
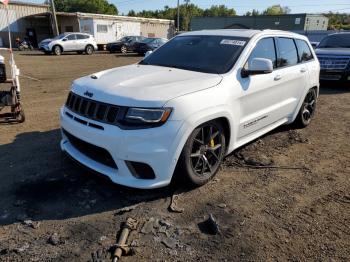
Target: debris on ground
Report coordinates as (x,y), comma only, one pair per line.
(122,248)
(173,204)
(126,209)
(22,248)
(210,226)
(169,242)
(31,223)
(148,226)
(54,239)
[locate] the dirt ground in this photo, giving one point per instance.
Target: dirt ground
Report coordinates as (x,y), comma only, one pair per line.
(51,209)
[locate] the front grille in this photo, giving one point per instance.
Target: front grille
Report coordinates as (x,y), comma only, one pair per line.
(91,109)
(96,153)
(334,62)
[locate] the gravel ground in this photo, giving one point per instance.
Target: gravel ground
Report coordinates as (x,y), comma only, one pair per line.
(51,209)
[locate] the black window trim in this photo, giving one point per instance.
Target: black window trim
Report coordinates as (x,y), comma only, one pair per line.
(274,43)
(278,51)
(303,62)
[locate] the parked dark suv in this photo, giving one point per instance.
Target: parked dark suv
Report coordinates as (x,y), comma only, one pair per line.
(334,55)
(125,44)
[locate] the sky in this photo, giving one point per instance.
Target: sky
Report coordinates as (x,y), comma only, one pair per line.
(241,7)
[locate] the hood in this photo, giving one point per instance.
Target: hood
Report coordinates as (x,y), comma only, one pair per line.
(332,51)
(143,85)
(48,40)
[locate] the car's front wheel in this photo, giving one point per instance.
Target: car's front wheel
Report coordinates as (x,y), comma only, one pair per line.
(57,50)
(124,49)
(307,110)
(202,154)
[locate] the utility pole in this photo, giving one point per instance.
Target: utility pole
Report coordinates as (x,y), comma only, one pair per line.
(178,15)
(54,18)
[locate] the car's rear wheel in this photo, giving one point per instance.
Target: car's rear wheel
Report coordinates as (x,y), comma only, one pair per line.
(124,49)
(89,50)
(202,154)
(57,50)
(307,110)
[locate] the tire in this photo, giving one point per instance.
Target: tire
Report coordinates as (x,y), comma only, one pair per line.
(47,53)
(20,48)
(57,50)
(21,117)
(89,50)
(202,154)
(307,109)
(123,49)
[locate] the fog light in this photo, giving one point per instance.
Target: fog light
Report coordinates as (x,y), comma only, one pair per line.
(140,170)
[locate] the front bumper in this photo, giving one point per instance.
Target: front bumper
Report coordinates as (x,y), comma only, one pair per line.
(158,147)
(44,48)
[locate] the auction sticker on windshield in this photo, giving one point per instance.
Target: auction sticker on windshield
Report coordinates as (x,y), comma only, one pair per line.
(232,42)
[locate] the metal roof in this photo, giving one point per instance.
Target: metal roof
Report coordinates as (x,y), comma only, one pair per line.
(27,4)
(226,32)
(116,17)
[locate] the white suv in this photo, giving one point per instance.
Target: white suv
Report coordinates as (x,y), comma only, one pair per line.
(69,42)
(188,104)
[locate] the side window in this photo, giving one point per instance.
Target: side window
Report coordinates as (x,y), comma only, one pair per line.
(71,37)
(80,37)
(288,55)
(304,51)
(102,28)
(265,48)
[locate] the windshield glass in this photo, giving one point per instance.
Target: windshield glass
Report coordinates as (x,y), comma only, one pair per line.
(337,40)
(148,40)
(208,54)
(59,36)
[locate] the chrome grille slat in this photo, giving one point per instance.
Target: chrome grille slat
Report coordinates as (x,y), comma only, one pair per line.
(333,62)
(91,109)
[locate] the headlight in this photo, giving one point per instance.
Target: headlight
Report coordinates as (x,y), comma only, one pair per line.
(147,115)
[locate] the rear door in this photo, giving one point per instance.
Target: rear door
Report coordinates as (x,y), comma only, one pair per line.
(70,43)
(293,76)
(82,41)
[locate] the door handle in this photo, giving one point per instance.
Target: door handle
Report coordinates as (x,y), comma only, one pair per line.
(303,70)
(277,77)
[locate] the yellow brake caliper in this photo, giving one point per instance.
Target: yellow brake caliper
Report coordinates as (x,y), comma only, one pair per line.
(211,143)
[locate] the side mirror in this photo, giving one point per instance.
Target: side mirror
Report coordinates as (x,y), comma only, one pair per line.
(64,39)
(148,53)
(258,66)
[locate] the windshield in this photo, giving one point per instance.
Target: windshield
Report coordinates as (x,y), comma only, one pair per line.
(148,40)
(125,39)
(208,54)
(337,40)
(59,36)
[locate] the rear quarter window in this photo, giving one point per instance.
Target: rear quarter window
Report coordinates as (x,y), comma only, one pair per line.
(287,55)
(304,51)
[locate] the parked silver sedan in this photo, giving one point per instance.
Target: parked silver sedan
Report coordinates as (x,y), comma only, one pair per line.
(69,42)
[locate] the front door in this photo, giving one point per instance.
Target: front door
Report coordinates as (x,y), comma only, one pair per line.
(260,93)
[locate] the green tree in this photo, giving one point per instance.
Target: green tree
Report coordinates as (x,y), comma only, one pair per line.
(220,11)
(276,10)
(187,12)
(86,6)
(338,21)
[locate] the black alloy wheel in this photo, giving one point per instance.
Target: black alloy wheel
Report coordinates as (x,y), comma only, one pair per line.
(307,110)
(202,154)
